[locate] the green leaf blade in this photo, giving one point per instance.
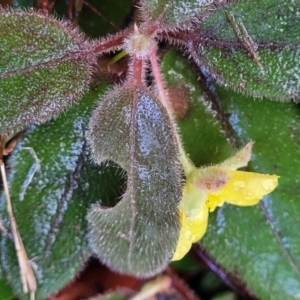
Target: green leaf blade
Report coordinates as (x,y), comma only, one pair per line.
(40,47)
(6,291)
(270,67)
(179,13)
(201,128)
(259,244)
(139,234)
(45,67)
(263,248)
(50,205)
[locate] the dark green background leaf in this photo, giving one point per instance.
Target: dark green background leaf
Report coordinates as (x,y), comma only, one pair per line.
(6,291)
(45,66)
(21,4)
(138,236)
(96,26)
(52,215)
(263,248)
(201,128)
(179,13)
(275,29)
(259,244)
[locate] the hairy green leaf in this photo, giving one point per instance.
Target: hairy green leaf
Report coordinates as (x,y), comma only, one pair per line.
(180,13)
(261,244)
(138,236)
(257,244)
(253,47)
(50,205)
(45,66)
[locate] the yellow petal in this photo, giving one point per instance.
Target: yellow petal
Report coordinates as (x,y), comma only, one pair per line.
(193,198)
(192,230)
(240,159)
(245,188)
(190,211)
(214,200)
(198,224)
(185,238)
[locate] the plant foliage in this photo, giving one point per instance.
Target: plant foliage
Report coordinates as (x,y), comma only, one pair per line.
(126,212)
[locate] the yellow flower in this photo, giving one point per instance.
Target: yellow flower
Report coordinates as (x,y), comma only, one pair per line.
(210,187)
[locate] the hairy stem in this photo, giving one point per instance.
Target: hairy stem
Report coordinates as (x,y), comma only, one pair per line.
(111,44)
(186,163)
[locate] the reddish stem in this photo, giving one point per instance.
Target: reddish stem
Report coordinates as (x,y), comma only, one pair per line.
(137,71)
(163,97)
(159,80)
(111,44)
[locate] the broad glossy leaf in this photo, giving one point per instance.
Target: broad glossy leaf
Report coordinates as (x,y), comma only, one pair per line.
(138,236)
(50,205)
(45,66)
(178,12)
(257,52)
